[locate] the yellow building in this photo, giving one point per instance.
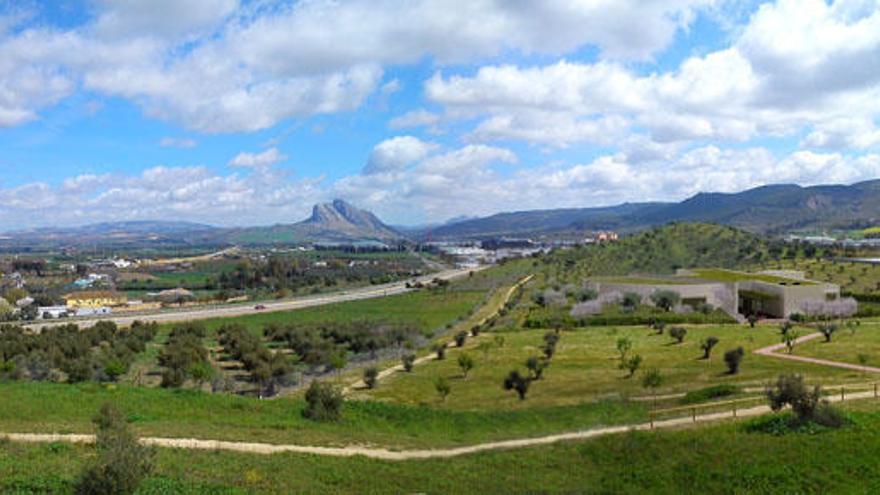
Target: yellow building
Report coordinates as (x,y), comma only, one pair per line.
(94,299)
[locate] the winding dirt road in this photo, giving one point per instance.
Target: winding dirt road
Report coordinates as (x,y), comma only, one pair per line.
(773,352)
(404,455)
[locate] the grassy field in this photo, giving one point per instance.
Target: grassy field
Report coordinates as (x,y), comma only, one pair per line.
(724,458)
(46,407)
(847,346)
(584,368)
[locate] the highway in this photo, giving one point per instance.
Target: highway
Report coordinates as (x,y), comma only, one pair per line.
(242,309)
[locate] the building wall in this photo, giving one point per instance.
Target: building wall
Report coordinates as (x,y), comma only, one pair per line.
(790,298)
(716,294)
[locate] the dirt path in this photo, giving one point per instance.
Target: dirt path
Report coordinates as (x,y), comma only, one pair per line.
(403,455)
(399,367)
(772,351)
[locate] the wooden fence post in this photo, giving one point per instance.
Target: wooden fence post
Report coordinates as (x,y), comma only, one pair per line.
(694,414)
(651,416)
(842,393)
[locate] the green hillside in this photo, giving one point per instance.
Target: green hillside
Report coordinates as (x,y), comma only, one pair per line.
(662,250)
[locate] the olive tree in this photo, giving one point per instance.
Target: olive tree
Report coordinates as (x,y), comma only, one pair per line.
(631,365)
(122,462)
(733,358)
(371,377)
(665,299)
(323,402)
(517,382)
(466,363)
(441,385)
(678,333)
(707,344)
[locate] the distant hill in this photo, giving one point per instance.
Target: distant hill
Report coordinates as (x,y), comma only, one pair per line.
(121,234)
(773,209)
(330,222)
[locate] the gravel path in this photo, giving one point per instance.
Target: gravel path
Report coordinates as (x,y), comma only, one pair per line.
(404,455)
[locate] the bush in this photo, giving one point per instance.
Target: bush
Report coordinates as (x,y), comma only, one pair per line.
(466,363)
(678,333)
(827,330)
(323,402)
(632,365)
(665,299)
(122,462)
(733,358)
(408,362)
(518,382)
(440,349)
(441,385)
(460,338)
(536,367)
(371,377)
(806,404)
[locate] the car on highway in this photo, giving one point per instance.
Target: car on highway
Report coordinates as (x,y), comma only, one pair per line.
(260,307)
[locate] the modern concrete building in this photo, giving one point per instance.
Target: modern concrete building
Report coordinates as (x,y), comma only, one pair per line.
(774,294)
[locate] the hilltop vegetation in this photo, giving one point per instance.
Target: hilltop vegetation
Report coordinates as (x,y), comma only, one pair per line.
(664,249)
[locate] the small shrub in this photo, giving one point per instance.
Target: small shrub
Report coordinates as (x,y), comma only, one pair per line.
(806,404)
(623,347)
(652,379)
(323,402)
(440,349)
(122,462)
(466,363)
(827,330)
(441,385)
(461,338)
(632,365)
(665,299)
(516,381)
(408,362)
(371,377)
(678,333)
(733,358)
(536,367)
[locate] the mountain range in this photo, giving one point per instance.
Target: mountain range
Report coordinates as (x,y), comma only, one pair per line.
(772,209)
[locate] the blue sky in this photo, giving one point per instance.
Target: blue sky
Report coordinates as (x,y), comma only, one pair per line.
(243,113)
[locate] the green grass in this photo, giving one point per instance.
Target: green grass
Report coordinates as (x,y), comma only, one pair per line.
(46,407)
(585,368)
(846,346)
(724,458)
